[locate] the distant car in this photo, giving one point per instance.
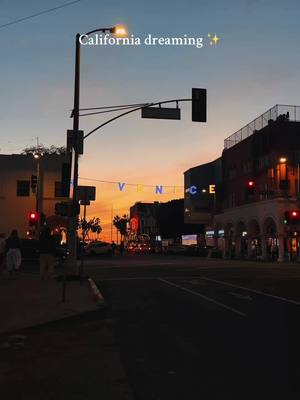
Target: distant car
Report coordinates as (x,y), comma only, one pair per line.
(144,248)
(138,248)
(132,247)
(97,248)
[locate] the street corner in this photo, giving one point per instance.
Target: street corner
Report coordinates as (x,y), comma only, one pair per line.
(96,294)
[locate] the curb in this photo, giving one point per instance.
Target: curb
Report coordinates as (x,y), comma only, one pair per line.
(97,295)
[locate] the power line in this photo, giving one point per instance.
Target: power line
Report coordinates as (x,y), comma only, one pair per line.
(130,184)
(39,13)
(121,108)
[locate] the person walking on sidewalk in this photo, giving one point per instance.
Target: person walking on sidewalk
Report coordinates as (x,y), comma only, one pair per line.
(47,253)
(13,252)
(2,251)
(113,248)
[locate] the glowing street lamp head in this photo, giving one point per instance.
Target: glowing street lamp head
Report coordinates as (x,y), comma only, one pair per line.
(282,160)
(120,30)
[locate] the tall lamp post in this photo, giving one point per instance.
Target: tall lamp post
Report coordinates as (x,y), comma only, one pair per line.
(117,30)
(37,156)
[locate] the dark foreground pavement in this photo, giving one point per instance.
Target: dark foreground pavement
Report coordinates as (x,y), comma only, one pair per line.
(217,333)
(185,328)
(76,358)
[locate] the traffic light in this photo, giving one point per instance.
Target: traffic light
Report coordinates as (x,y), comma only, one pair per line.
(292,217)
(33,218)
(33,183)
(65,179)
(250,187)
(61,209)
(199,105)
(65,209)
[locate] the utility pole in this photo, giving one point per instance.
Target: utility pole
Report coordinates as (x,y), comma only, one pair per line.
(111,223)
(72,220)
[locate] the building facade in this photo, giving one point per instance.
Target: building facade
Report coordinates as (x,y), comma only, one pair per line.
(18,198)
(199,203)
(143,220)
(259,193)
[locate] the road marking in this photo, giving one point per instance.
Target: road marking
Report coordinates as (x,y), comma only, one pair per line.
(127,279)
(240,296)
(203,297)
(252,290)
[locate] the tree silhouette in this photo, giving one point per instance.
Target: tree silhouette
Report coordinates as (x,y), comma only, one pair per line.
(91,226)
(121,224)
(41,149)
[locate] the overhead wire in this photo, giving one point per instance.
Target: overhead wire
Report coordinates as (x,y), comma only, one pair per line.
(39,13)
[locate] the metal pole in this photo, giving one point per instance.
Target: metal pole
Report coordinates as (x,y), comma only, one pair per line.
(83,244)
(111,223)
(72,239)
(298,180)
(37,198)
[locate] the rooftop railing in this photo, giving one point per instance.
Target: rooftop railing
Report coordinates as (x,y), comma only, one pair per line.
(279,111)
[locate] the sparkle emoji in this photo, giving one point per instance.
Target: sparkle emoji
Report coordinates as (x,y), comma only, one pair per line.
(213,40)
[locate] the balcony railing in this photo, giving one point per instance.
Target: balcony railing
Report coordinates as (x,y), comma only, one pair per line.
(291,113)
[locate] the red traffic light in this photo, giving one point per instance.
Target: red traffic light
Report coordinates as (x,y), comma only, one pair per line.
(250,184)
(292,217)
(33,218)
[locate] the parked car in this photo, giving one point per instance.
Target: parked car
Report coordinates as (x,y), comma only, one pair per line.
(97,248)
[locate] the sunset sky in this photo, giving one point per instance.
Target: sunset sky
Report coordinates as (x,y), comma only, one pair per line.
(254,66)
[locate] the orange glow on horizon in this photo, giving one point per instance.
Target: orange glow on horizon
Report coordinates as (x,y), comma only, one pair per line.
(110,201)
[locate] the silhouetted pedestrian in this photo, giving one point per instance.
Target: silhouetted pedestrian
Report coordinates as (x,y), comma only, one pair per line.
(13,252)
(113,248)
(47,247)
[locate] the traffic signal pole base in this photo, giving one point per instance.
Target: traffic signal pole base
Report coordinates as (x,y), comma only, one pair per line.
(72,267)
(71,264)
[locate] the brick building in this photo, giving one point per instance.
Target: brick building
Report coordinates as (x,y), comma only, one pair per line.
(260,188)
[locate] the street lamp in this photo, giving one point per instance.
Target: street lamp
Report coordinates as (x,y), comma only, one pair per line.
(282,160)
(118,30)
(37,156)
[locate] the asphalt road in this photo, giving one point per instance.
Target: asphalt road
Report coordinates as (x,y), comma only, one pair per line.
(191,328)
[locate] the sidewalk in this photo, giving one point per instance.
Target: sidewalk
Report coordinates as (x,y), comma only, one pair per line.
(77,358)
(27,301)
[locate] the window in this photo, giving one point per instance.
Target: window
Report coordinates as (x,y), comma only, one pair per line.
(58,190)
(23,188)
(246,167)
(232,173)
(263,162)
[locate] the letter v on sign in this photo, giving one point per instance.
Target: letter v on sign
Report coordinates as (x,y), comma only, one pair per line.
(121,186)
